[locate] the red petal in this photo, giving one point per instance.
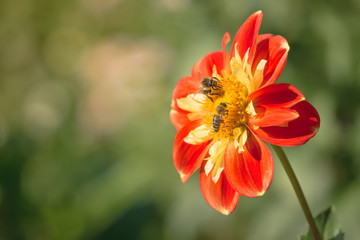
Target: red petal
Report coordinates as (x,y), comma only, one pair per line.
(262,50)
(272,116)
(204,67)
(220,195)
(246,36)
(179,118)
(272,104)
(225,41)
(263,37)
(250,173)
(185,86)
(296,132)
(188,157)
(275,51)
(276,95)
(226,57)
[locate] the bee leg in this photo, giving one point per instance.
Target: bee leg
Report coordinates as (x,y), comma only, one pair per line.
(218,94)
(216,87)
(209,97)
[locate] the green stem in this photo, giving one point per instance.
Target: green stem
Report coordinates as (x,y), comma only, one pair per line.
(299,193)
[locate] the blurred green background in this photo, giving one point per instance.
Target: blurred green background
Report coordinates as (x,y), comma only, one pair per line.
(85,136)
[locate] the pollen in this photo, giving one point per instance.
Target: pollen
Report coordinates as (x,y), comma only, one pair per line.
(233,103)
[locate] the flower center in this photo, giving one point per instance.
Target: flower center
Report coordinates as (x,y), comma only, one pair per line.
(228,108)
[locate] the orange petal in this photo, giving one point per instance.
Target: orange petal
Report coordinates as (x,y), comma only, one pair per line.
(188,157)
(185,86)
(220,195)
(204,67)
(272,116)
(179,118)
(276,95)
(250,172)
(275,51)
(246,36)
(296,132)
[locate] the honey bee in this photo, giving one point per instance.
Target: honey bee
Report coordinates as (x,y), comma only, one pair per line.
(208,84)
(218,118)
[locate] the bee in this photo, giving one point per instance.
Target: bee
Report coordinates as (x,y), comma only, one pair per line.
(209,85)
(218,118)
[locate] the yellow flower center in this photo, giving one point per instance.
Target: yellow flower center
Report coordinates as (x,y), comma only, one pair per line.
(232,103)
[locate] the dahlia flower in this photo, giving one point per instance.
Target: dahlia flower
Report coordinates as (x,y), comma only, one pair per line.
(228,107)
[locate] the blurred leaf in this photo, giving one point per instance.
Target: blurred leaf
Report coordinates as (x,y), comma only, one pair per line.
(327,225)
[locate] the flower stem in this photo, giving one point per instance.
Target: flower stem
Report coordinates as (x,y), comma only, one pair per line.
(299,193)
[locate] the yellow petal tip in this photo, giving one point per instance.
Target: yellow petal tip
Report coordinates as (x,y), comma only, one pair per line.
(182,177)
(261,193)
(225,212)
